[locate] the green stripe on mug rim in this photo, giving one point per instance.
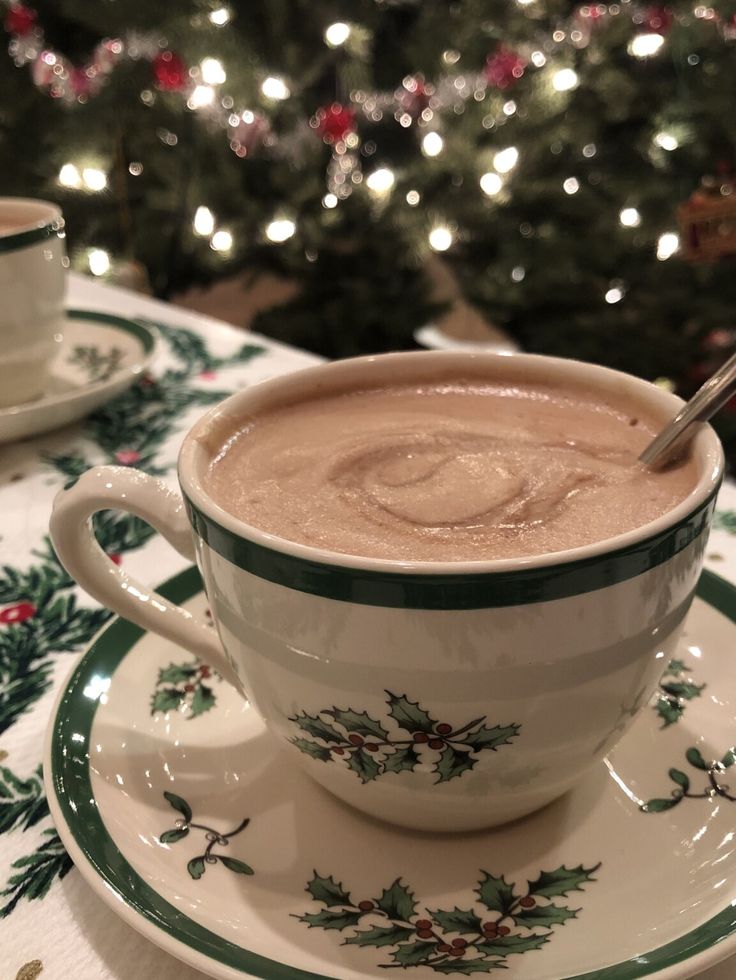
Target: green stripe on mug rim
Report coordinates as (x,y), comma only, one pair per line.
(31,236)
(461,590)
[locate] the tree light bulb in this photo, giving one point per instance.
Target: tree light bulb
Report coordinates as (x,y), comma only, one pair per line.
(565,80)
(212,71)
(667,141)
(506,160)
(94,179)
(630,218)
(329,201)
(202,95)
(571,185)
(440,238)
(280,230)
(69,176)
(99,261)
(667,245)
(220,17)
(614,295)
(432,144)
(491,184)
(221,241)
(645,45)
(380,181)
(337,34)
(275,88)
(413,198)
(204,222)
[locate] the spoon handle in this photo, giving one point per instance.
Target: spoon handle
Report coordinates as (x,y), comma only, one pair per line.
(705,402)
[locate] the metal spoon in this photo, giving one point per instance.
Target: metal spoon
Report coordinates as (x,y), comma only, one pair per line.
(705,402)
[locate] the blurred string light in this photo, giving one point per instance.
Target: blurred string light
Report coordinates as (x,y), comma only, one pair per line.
(667,245)
(505,160)
(329,201)
(413,198)
(666,141)
(212,71)
(69,176)
(220,17)
(275,88)
(337,34)
(94,179)
(380,181)
(280,230)
(630,218)
(614,295)
(221,241)
(645,45)
(490,184)
(432,145)
(571,185)
(203,95)
(98,261)
(440,238)
(204,222)
(565,80)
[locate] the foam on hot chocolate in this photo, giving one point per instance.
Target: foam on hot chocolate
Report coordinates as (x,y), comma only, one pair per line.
(448,471)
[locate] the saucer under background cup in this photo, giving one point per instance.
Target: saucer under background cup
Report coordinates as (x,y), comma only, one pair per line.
(97,358)
(191,823)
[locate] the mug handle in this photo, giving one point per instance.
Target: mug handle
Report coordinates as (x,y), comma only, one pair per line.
(120,488)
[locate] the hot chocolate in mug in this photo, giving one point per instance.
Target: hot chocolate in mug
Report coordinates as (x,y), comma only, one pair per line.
(438,695)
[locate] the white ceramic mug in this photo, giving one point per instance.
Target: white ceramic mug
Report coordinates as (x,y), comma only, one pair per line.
(439,696)
(32,287)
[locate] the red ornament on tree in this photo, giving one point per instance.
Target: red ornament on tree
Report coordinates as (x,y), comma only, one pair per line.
(504,68)
(169,71)
(657,19)
(20,20)
(127,457)
(335,122)
(17,614)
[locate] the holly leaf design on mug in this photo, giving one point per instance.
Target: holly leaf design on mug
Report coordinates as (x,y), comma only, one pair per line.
(409,739)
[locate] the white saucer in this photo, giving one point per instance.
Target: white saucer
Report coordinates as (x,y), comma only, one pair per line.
(188,820)
(98,357)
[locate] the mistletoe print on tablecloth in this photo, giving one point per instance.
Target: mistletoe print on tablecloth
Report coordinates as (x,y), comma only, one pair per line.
(41,616)
(197,865)
(675,690)
(713,788)
(500,920)
(370,750)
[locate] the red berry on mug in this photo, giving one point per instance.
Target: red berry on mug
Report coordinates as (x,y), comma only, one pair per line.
(444,728)
(527,902)
(503,930)
(370,747)
(355,739)
(423,924)
(338,750)
(457,951)
(424,933)
(436,743)
(421,737)
(459,943)
(366,905)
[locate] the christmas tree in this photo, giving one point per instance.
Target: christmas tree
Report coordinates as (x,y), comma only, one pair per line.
(572,165)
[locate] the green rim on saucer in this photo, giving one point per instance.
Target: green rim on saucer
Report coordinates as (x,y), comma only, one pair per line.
(73,794)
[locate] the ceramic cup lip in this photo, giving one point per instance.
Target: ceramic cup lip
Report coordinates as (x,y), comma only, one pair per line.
(206,437)
(36,219)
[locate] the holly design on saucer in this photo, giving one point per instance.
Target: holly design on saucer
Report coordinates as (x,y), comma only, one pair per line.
(371,750)
(97,364)
(676,688)
(501,920)
(197,865)
(713,787)
(186,686)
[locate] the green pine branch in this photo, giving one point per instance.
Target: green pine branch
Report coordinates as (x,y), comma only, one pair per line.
(22,801)
(36,872)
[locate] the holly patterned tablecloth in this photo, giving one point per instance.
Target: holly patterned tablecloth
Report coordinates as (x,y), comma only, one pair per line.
(51,924)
